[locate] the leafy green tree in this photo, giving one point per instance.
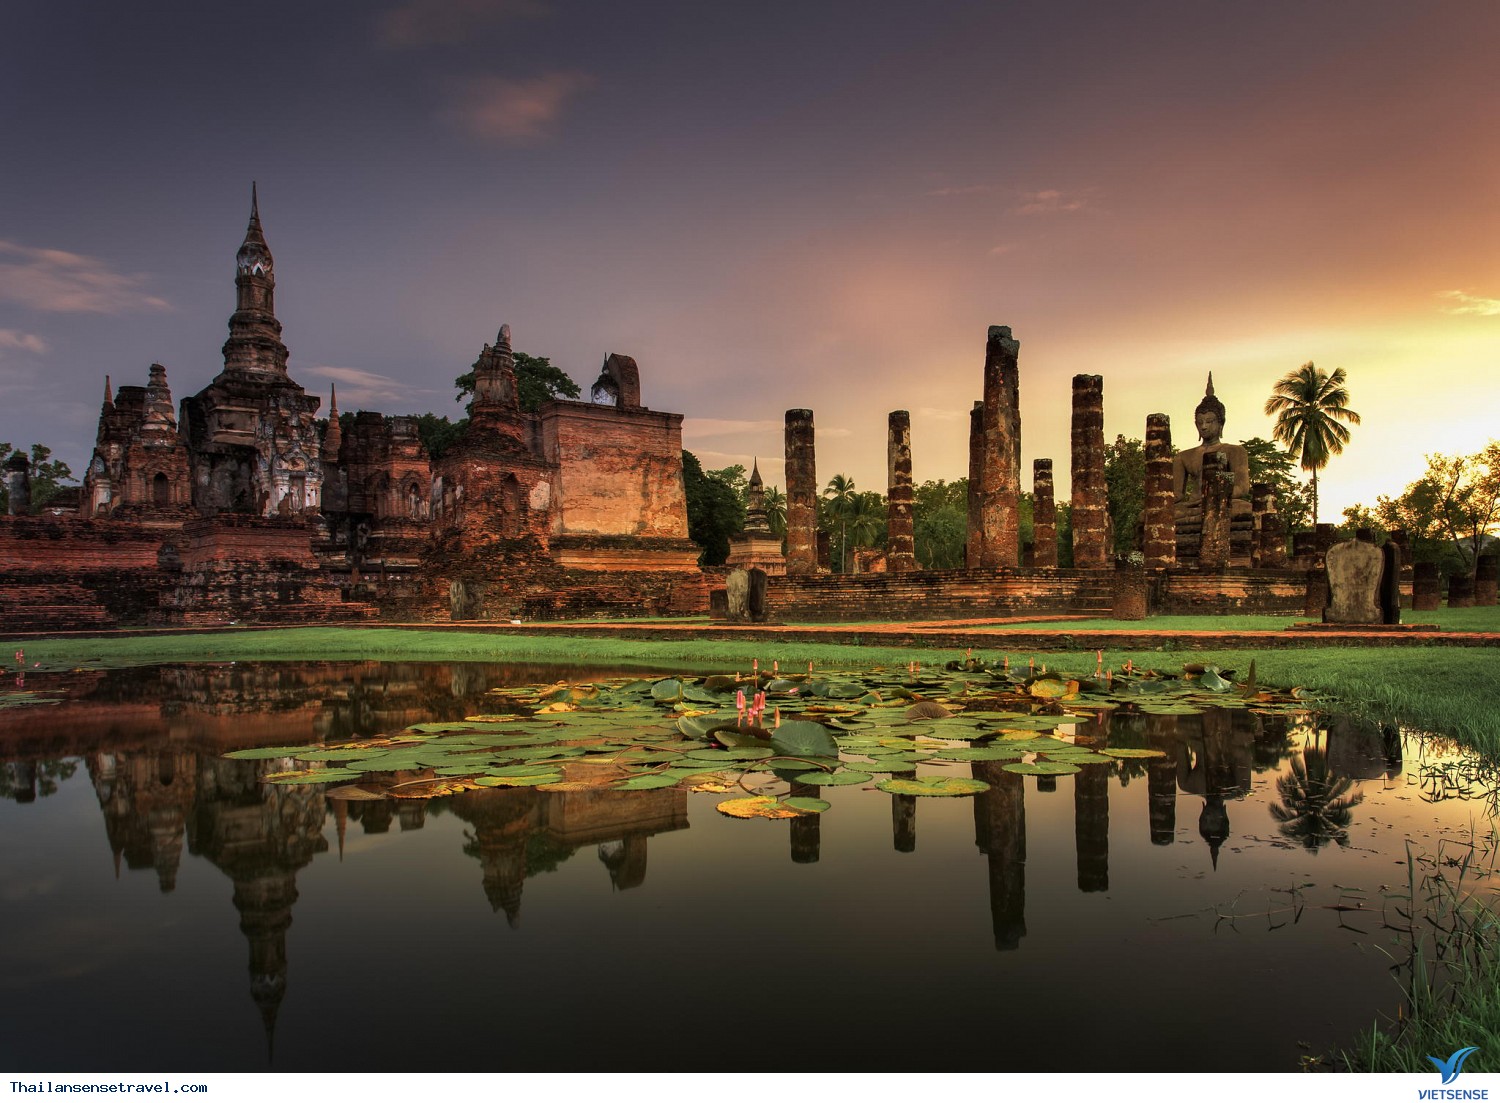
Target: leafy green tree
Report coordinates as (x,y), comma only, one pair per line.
(940,523)
(1270,463)
(1448,514)
(715,512)
(438,434)
(867,520)
(1125,479)
(48,477)
(1309,406)
(537,381)
(733,477)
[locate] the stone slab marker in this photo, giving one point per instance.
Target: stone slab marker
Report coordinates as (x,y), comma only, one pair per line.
(901,548)
(737,587)
(1043,514)
(801,494)
(974,545)
(1000,476)
(1161,535)
(1090,495)
(1354,569)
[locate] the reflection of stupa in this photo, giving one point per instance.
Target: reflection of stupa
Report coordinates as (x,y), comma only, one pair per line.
(502,820)
(259,836)
(146,797)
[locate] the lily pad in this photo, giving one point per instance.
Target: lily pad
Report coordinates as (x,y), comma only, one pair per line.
(808,805)
(749,808)
(646,781)
(255,753)
(840,777)
(1040,769)
(1133,752)
(804,737)
(933,786)
(997,753)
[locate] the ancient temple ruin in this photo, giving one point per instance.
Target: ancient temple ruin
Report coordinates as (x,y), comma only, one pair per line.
(241,505)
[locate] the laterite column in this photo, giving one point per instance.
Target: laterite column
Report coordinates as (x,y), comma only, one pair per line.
(1000,478)
(1090,494)
(1161,519)
(1043,515)
(801,494)
(901,548)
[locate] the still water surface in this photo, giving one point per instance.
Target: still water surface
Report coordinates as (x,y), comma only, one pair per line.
(163,909)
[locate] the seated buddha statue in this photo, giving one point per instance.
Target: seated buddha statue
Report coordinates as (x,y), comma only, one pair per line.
(1187,466)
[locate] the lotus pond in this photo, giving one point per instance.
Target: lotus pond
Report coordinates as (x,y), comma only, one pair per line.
(411,867)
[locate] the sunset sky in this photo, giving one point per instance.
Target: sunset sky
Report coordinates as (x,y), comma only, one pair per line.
(771,205)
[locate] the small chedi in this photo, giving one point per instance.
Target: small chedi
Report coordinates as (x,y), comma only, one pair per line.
(243,506)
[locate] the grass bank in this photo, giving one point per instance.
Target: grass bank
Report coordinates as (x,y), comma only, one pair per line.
(1452,690)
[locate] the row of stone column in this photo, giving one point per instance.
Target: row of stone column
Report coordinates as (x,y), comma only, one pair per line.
(802,494)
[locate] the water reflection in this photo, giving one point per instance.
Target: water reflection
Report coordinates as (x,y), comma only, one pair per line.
(151,744)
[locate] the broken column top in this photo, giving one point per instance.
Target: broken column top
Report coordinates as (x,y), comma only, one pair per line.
(1003,335)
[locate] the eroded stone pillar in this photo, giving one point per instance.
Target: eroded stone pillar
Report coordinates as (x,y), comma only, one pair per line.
(974,545)
(18,484)
(1161,535)
(1461,591)
(1426,587)
(1486,577)
(1218,494)
(901,548)
(1000,477)
(1090,494)
(801,494)
(1272,542)
(1043,514)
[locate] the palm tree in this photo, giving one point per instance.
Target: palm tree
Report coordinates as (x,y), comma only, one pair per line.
(1308,405)
(840,496)
(775,504)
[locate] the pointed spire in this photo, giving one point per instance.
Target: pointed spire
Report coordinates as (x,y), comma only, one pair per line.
(1209,390)
(254,206)
(333,402)
(109,394)
(755,479)
(503,340)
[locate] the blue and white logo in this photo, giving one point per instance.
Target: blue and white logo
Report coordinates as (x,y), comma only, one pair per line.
(1454,1064)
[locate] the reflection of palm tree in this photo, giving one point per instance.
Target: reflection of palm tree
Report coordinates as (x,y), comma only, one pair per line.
(1316,808)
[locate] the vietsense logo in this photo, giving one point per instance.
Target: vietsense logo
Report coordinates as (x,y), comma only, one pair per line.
(1450,1070)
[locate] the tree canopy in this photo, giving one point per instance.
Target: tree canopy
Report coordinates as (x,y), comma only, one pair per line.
(715,511)
(537,380)
(1309,406)
(47,476)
